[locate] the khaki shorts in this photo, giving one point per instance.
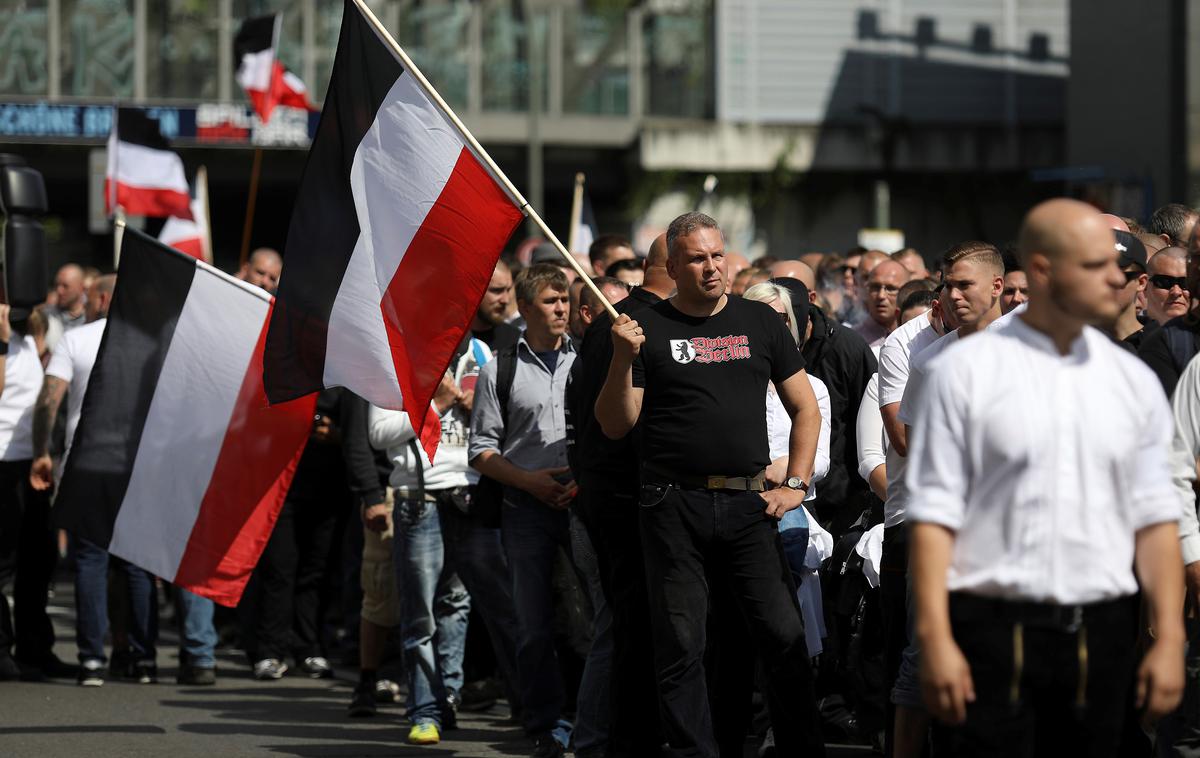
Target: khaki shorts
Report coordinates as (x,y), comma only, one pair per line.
(381,599)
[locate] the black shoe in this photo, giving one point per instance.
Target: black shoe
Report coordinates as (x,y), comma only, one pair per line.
(546,746)
(145,672)
(9,670)
(199,676)
(91,674)
(362,702)
(450,712)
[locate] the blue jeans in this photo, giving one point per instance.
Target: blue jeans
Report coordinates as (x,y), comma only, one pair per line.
(475,550)
(91,605)
(198,636)
(532,533)
(434,610)
(592,716)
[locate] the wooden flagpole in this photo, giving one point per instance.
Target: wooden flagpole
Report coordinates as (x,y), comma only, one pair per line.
(248,225)
(482,154)
(118,235)
(202,196)
(576,212)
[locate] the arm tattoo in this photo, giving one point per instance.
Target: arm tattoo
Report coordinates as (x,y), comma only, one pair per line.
(45,410)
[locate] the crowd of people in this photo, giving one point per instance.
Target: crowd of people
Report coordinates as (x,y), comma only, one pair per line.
(935,504)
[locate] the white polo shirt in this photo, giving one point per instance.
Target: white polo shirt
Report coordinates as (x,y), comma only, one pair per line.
(1044,465)
(22,383)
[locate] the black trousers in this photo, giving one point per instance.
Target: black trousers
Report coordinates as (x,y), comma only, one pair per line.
(285,617)
(28,554)
(687,536)
(1065,703)
(893,602)
(611,520)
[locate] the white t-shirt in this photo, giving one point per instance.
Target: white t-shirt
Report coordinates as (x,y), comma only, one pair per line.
(22,383)
(779,431)
(895,372)
(72,362)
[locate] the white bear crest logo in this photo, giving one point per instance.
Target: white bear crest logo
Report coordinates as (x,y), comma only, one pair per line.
(682,351)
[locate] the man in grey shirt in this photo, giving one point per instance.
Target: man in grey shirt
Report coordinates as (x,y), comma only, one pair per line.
(525,449)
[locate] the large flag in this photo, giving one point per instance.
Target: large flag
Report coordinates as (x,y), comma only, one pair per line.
(266,81)
(178,464)
(143,175)
(193,236)
(396,229)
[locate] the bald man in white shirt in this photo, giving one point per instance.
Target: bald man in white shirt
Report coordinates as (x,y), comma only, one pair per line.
(1026,537)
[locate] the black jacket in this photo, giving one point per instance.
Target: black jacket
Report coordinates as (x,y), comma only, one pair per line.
(842,359)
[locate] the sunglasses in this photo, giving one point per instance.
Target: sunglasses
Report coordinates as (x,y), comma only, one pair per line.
(1131,276)
(1164,282)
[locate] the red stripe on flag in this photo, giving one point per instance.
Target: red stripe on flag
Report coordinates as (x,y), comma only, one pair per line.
(254,470)
(192,246)
(440,281)
(148,201)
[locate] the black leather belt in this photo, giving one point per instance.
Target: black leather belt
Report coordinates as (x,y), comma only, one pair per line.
(756,483)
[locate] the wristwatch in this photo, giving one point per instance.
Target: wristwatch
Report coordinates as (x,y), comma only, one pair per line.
(796,483)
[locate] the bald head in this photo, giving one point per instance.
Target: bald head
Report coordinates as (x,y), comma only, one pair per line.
(1114,222)
(68,288)
(99,296)
(795,270)
(656,278)
(263,269)
(1152,242)
(1057,227)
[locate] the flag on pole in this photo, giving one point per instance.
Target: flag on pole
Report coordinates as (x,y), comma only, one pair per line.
(583,229)
(143,175)
(178,465)
(191,236)
(394,235)
(266,81)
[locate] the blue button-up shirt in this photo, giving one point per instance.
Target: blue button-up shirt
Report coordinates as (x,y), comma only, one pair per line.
(535,436)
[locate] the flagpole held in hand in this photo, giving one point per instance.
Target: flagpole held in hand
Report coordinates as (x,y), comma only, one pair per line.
(483,154)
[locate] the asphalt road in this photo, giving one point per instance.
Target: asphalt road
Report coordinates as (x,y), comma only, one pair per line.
(295,716)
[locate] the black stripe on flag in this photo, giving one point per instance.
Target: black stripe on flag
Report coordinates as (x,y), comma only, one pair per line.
(324,224)
(135,127)
(153,282)
(254,36)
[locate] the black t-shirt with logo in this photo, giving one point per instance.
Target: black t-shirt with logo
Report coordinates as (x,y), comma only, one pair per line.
(704,407)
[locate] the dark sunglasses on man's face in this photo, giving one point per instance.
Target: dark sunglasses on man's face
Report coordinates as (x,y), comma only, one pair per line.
(1164,282)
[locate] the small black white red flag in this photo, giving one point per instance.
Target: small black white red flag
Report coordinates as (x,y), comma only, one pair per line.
(267,82)
(193,236)
(178,464)
(143,175)
(394,235)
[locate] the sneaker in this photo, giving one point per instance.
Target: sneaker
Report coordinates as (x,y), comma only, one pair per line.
(424,734)
(145,672)
(450,712)
(269,668)
(546,746)
(362,702)
(386,691)
(200,676)
(317,667)
(91,673)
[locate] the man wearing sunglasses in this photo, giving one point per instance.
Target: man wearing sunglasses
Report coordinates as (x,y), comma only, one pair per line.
(1167,294)
(1131,257)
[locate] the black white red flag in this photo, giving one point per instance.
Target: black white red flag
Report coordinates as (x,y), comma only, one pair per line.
(191,236)
(143,176)
(178,464)
(395,231)
(267,82)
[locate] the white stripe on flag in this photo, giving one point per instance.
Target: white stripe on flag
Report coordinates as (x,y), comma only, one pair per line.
(144,167)
(399,170)
(255,70)
(185,426)
(293,83)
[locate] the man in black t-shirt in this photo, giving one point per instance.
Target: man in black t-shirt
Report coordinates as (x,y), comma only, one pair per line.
(694,369)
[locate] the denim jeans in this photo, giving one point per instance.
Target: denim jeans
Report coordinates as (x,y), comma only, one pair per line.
(198,636)
(475,550)
(688,535)
(592,716)
(532,533)
(91,604)
(434,609)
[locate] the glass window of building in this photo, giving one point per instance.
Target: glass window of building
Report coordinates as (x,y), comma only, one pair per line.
(680,61)
(182,40)
(506,41)
(434,34)
(24,69)
(97,42)
(595,60)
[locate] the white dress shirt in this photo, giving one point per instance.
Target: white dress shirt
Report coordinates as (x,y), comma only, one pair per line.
(1044,465)
(779,431)
(871,437)
(22,383)
(895,362)
(1184,452)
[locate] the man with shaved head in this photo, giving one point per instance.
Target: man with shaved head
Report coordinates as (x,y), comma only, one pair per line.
(68,311)
(735,263)
(263,269)
(1026,537)
(800,271)
(883,284)
(1167,293)
(1169,349)
(913,261)
(606,472)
